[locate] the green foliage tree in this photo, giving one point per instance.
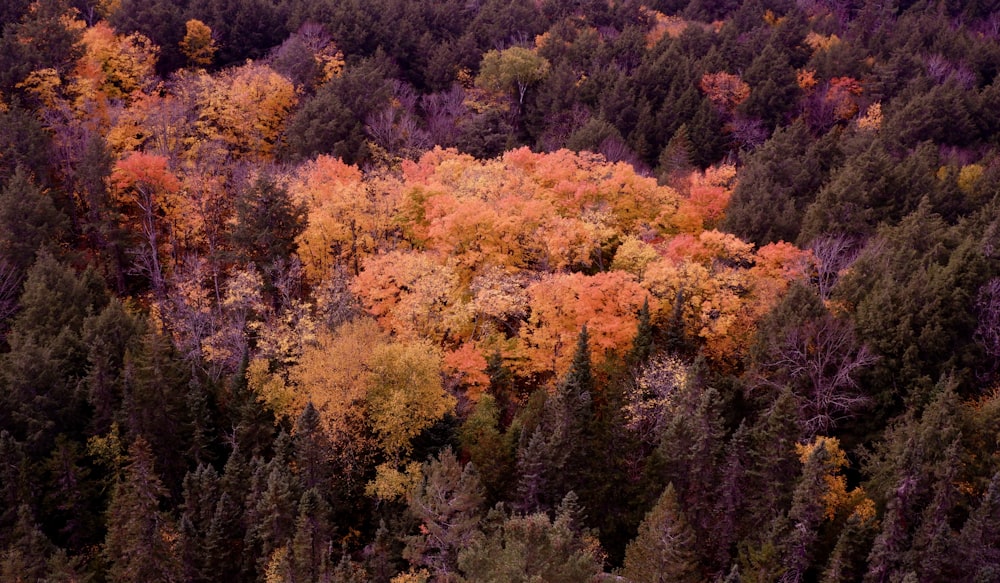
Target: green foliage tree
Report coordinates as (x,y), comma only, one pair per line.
(664,549)
(332,121)
(515,70)
(28,220)
(531,548)
(140,544)
(447,505)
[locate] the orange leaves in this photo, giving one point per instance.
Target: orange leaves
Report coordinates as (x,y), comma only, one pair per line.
(469,365)
(841,97)
(706,199)
(144,172)
(725,90)
(561,304)
(117,65)
(526,210)
(414,296)
(344,220)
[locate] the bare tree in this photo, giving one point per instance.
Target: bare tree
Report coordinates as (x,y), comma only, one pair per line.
(821,360)
(834,254)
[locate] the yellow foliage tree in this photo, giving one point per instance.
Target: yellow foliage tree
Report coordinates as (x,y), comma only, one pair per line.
(245,109)
(198,45)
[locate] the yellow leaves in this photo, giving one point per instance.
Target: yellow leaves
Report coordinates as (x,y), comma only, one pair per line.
(198,45)
(405,395)
(836,498)
(871,121)
(818,42)
(332,372)
(550,211)
(412,576)
(271,389)
(634,256)
(116,65)
(392,483)
(394,386)
(245,108)
(44,84)
(414,296)
(969,176)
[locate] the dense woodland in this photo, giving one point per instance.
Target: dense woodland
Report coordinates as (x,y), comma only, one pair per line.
(499,291)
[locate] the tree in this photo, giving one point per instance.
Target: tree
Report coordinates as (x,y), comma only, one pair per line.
(268,222)
(311,545)
(143,182)
(532,548)
(198,45)
(606,303)
(46,357)
(28,220)
(245,109)
(140,544)
(664,549)
(404,395)
(514,69)
(447,505)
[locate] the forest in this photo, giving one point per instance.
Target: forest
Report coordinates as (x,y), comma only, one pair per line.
(461,291)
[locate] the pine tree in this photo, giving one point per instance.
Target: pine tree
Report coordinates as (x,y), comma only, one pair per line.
(312,450)
(447,507)
(200,490)
(979,542)
(642,345)
(28,220)
(311,544)
(488,448)
(664,549)
(224,540)
(25,557)
(140,544)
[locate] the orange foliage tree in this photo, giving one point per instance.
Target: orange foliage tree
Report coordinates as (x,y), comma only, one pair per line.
(725,90)
(561,304)
(349,219)
(144,187)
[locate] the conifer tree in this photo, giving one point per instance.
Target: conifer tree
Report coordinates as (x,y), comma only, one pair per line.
(447,506)
(311,544)
(312,450)
(664,549)
(28,220)
(140,544)
(25,557)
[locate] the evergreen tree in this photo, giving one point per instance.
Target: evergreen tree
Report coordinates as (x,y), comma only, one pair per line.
(140,544)
(664,550)
(447,507)
(312,450)
(28,220)
(491,451)
(311,544)
(25,558)
(531,548)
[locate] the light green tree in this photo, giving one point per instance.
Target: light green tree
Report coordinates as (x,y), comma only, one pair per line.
(513,69)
